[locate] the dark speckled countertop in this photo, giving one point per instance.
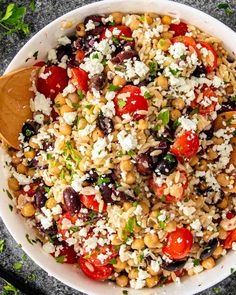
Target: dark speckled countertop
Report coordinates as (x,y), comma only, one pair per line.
(46,11)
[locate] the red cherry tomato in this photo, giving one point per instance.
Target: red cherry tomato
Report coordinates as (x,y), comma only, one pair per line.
(231,238)
(80,79)
(211,60)
(179,29)
(79,57)
(65,231)
(188,42)
(159,190)
(230,215)
(96,273)
(94,258)
(31,191)
(39,64)
(54,83)
(186,145)
(178,244)
(207,95)
(69,254)
(124,32)
(133,103)
(90,202)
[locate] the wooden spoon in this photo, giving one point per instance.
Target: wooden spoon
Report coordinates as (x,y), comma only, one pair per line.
(15,95)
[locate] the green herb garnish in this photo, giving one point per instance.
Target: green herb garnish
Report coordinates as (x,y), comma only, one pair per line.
(112,87)
(227,8)
(164,117)
(195,111)
(2,246)
(18,266)
(102,180)
(147,95)
(8,289)
(121,104)
(112,261)
(196,262)
(80,93)
(61,259)
(32,5)
(115,40)
(126,38)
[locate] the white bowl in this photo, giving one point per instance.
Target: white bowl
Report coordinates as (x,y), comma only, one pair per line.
(42,42)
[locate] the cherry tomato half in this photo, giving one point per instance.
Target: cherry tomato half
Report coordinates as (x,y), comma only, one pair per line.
(32,189)
(79,56)
(179,29)
(80,79)
(210,61)
(39,64)
(90,202)
(54,83)
(178,244)
(96,273)
(68,253)
(124,31)
(186,145)
(231,238)
(94,258)
(159,190)
(65,219)
(188,42)
(131,104)
(207,95)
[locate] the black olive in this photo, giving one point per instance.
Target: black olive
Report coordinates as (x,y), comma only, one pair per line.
(64,50)
(105,124)
(51,231)
(96,19)
(209,133)
(92,176)
(97,82)
(28,130)
(39,197)
(49,145)
(166,165)
(71,200)
(209,249)
(174,266)
(227,107)
(124,55)
(144,164)
(212,197)
(199,71)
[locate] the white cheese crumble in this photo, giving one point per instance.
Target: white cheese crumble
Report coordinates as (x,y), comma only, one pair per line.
(69,117)
(99,149)
(127,141)
(64,40)
(41,103)
(187,124)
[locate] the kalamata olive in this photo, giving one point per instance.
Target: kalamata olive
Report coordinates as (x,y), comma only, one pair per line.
(212,197)
(97,31)
(96,19)
(71,200)
(51,231)
(209,133)
(167,165)
(106,192)
(49,145)
(227,107)
(39,197)
(199,71)
(144,164)
(124,55)
(92,176)
(97,82)
(80,44)
(64,50)
(173,266)
(28,130)
(105,124)
(209,249)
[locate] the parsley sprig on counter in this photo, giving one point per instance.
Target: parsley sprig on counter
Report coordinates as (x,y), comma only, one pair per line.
(227,8)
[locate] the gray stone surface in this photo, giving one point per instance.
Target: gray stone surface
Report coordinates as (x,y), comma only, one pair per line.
(46,11)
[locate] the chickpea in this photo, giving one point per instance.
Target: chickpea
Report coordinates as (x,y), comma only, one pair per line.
(73,97)
(211,154)
(30,172)
(13,184)
(162,82)
(142,124)
(133,274)
(119,81)
(126,165)
(134,25)
(65,128)
(83,164)
(178,103)
(151,240)
(55,169)
(15,160)
(130,178)
(164,44)
(51,203)
(116,241)
(175,114)
(28,210)
(81,123)
(20,168)
(97,133)
(223,179)
(32,142)
(218,140)
(218,251)
(223,204)
(152,281)
(145,208)
(229,89)
(202,165)
(117,17)
(66,109)
(167,35)
(80,30)
(171,226)
(122,281)
(59,100)
(138,244)
(30,154)
(194,160)
(127,206)
(166,20)
(151,271)
(222,234)
(208,263)
(148,19)
(131,262)
(119,265)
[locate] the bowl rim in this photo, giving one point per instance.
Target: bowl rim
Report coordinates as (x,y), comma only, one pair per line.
(220,274)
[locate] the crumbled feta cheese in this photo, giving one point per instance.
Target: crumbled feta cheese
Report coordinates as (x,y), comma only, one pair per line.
(99,149)
(22,179)
(90,25)
(41,103)
(127,141)
(69,89)
(177,50)
(155,265)
(49,248)
(187,124)
(64,40)
(52,56)
(69,117)
(45,75)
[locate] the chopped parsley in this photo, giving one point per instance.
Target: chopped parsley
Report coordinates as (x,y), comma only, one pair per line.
(9,289)
(170,158)
(102,180)
(95,56)
(131,153)
(9,195)
(152,69)
(74,229)
(112,261)
(164,117)
(196,262)
(88,106)
(141,257)
(147,95)
(112,87)
(126,38)
(121,104)
(80,93)
(62,174)
(18,266)
(2,246)
(10,207)
(227,8)
(61,259)
(232,270)
(115,40)
(125,292)
(120,154)
(195,111)
(174,72)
